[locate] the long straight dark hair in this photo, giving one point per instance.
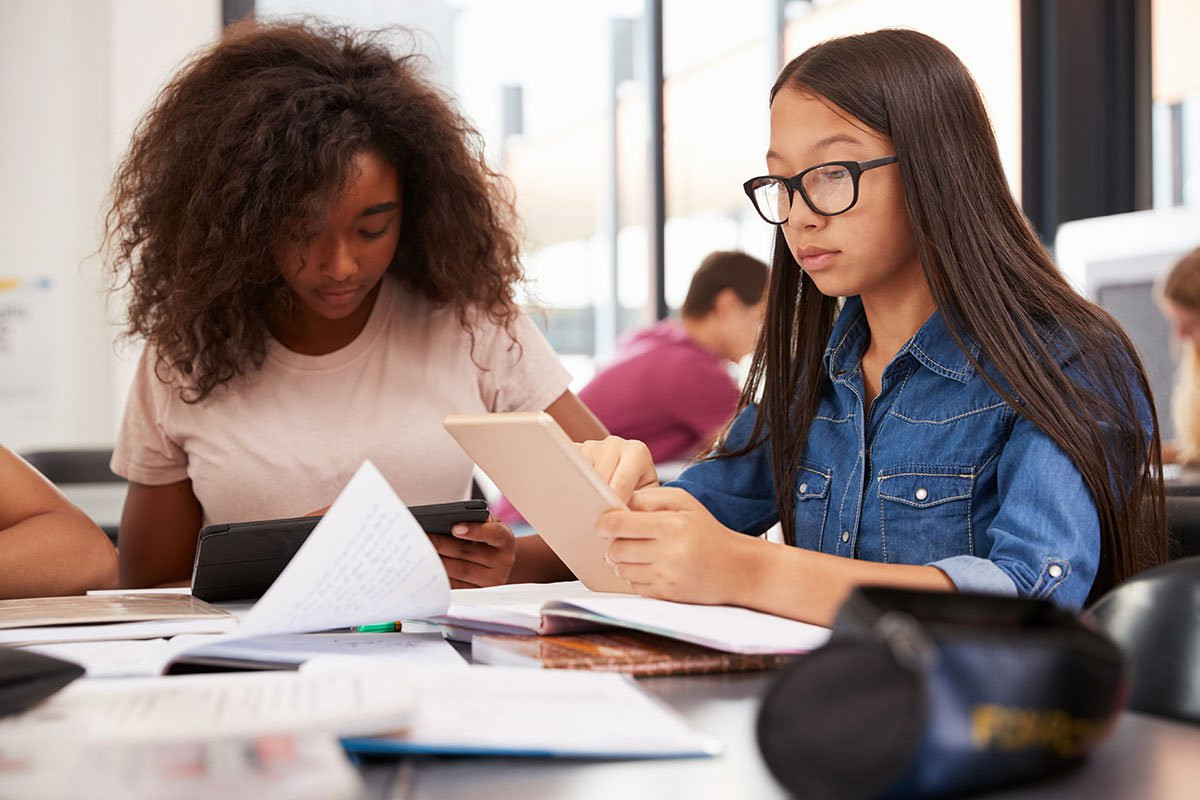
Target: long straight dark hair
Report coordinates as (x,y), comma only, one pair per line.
(993,281)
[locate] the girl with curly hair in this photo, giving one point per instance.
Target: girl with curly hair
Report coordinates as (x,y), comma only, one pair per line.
(322,266)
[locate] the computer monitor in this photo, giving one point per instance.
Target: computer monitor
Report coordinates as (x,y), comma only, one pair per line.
(1116,261)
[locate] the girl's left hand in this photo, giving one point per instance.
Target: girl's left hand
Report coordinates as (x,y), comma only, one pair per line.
(477,554)
(669,546)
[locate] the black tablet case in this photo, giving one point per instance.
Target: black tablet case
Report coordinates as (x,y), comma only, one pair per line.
(240,560)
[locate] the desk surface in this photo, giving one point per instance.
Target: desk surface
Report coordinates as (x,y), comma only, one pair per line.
(1145,757)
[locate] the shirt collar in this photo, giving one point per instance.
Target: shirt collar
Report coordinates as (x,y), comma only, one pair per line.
(932,346)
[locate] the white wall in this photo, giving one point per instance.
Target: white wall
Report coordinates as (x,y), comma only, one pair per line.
(74,77)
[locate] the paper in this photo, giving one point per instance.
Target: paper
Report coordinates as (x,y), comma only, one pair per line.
(425,649)
(517,606)
(367,560)
(515,711)
(566,607)
(125,659)
(280,767)
(117,659)
(126,606)
(186,590)
(153,629)
(737,630)
(225,705)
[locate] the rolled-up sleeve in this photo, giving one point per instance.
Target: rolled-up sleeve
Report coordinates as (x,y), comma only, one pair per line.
(739,492)
(1045,537)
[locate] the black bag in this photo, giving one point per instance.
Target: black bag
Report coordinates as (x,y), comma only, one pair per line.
(27,678)
(927,693)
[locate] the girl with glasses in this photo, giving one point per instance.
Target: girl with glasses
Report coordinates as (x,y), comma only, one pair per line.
(322,266)
(930,404)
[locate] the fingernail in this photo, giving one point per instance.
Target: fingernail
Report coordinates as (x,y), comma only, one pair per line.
(459,530)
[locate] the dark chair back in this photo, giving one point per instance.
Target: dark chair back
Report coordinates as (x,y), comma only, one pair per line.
(1155,618)
(1183,525)
(74,466)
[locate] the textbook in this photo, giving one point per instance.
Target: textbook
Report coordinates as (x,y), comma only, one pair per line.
(570,607)
(131,615)
(628,652)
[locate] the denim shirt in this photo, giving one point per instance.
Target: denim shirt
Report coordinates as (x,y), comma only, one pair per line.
(940,471)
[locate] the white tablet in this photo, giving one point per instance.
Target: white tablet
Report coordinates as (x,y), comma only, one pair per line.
(543,474)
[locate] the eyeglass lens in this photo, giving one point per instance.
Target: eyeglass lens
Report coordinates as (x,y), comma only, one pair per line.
(830,189)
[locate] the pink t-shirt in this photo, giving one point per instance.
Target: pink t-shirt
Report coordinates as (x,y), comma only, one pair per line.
(283,441)
(665,390)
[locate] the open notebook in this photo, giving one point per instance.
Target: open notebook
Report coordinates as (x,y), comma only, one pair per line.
(572,608)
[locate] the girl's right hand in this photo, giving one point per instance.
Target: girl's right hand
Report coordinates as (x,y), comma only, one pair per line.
(624,463)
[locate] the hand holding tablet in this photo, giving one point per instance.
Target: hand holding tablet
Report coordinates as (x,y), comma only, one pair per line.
(544,475)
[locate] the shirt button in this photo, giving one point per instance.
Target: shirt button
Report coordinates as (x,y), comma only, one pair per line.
(845,536)
(921,494)
(803,488)
(1055,571)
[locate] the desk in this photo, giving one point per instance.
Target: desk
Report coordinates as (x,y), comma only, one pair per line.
(1145,758)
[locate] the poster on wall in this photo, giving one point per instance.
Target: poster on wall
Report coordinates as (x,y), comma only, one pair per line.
(28,333)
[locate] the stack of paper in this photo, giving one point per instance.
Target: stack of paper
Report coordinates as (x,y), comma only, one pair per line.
(224,705)
(279,767)
(129,615)
(284,651)
(519,712)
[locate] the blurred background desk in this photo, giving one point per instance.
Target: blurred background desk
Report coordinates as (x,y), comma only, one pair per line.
(1145,757)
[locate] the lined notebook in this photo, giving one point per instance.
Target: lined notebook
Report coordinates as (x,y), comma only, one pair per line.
(630,652)
(570,607)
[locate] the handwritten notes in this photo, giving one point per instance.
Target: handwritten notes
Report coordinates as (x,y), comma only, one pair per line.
(368,560)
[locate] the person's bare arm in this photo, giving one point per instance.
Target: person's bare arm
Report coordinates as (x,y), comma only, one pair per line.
(668,546)
(535,561)
(157,537)
(47,545)
(576,419)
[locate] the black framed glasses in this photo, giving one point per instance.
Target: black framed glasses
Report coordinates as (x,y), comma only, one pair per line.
(828,189)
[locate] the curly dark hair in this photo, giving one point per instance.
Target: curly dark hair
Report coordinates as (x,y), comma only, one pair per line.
(249,142)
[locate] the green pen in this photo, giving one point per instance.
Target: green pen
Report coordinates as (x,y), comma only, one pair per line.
(379,627)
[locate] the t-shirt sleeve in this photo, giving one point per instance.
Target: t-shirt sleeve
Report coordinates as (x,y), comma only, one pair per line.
(145,452)
(521,375)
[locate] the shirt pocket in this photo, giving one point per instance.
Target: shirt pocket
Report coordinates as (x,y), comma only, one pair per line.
(925,513)
(812,504)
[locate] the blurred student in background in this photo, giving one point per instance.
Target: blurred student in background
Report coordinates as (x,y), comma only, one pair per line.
(1179,300)
(671,384)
